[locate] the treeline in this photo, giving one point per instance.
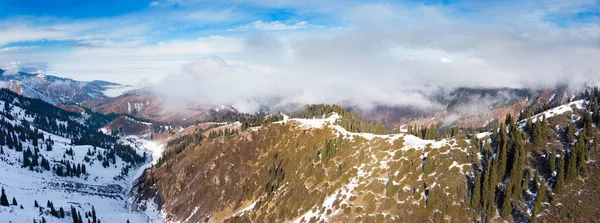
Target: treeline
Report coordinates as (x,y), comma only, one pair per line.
(349,120)
(258,120)
(437,131)
(83,130)
(127,153)
(178,144)
(60,213)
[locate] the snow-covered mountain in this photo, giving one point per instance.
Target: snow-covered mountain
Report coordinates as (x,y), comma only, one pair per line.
(55,90)
(54,163)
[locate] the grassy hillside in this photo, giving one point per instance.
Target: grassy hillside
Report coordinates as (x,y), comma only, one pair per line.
(541,168)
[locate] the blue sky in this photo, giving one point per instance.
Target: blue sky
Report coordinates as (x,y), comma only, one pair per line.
(376,44)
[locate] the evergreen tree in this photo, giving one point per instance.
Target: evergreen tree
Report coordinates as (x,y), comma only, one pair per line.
(93,214)
(581,151)
(541,197)
(570,132)
(506,205)
(26,160)
(61,212)
(587,125)
(3,199)
(560,176)
(572,164)
(476,195)
(529,127)
(516,173)
(74,215)
(502,143)
(35,204)
(551,162)
(14,201)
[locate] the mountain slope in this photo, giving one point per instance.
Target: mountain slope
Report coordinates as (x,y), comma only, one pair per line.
(539,168)
(51,159)
(55,90)
(347,175)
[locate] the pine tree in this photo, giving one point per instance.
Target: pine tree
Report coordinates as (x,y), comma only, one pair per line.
(570,132)
(35,204)
(551,162)
(572,164)
(61,212)
(541,197)
(580,150)
(560,176)
(537,133)
(74,215)
(488,189)
(502,152)
(476,195)
(3,199)
(93,214)
(26,160)
(506,205)
(529,127)
(587,125)
(14,201)
(516,173)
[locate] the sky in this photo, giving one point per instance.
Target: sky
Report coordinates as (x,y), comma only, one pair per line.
(279,52)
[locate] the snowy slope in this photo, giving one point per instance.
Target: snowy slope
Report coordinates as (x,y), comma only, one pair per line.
(105,189)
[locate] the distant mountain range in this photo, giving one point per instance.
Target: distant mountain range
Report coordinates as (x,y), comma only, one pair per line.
(55,90)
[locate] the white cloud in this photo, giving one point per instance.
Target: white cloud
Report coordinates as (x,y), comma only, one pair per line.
(276,25)
(445,60)
(386,53)
(21,34)
(16,48)
(206,45)
(154,3)
(214,16)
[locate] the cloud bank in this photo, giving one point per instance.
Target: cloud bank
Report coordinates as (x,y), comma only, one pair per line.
(342,52)
(395,56)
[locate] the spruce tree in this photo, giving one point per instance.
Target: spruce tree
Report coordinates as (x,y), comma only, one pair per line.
(503,153)
(3,199)
(516,173)
(74,215)
(580,150)
(506,205)
(572,165)
(541,197)
(93,214)
(560,176)
(537,133)
(551,162)
(476,195)
(570,132)
(14,201)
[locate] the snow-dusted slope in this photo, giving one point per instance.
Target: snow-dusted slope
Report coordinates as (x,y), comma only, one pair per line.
(56,90)
(104,187)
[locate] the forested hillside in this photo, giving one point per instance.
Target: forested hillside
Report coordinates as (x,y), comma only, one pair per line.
(56,166)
